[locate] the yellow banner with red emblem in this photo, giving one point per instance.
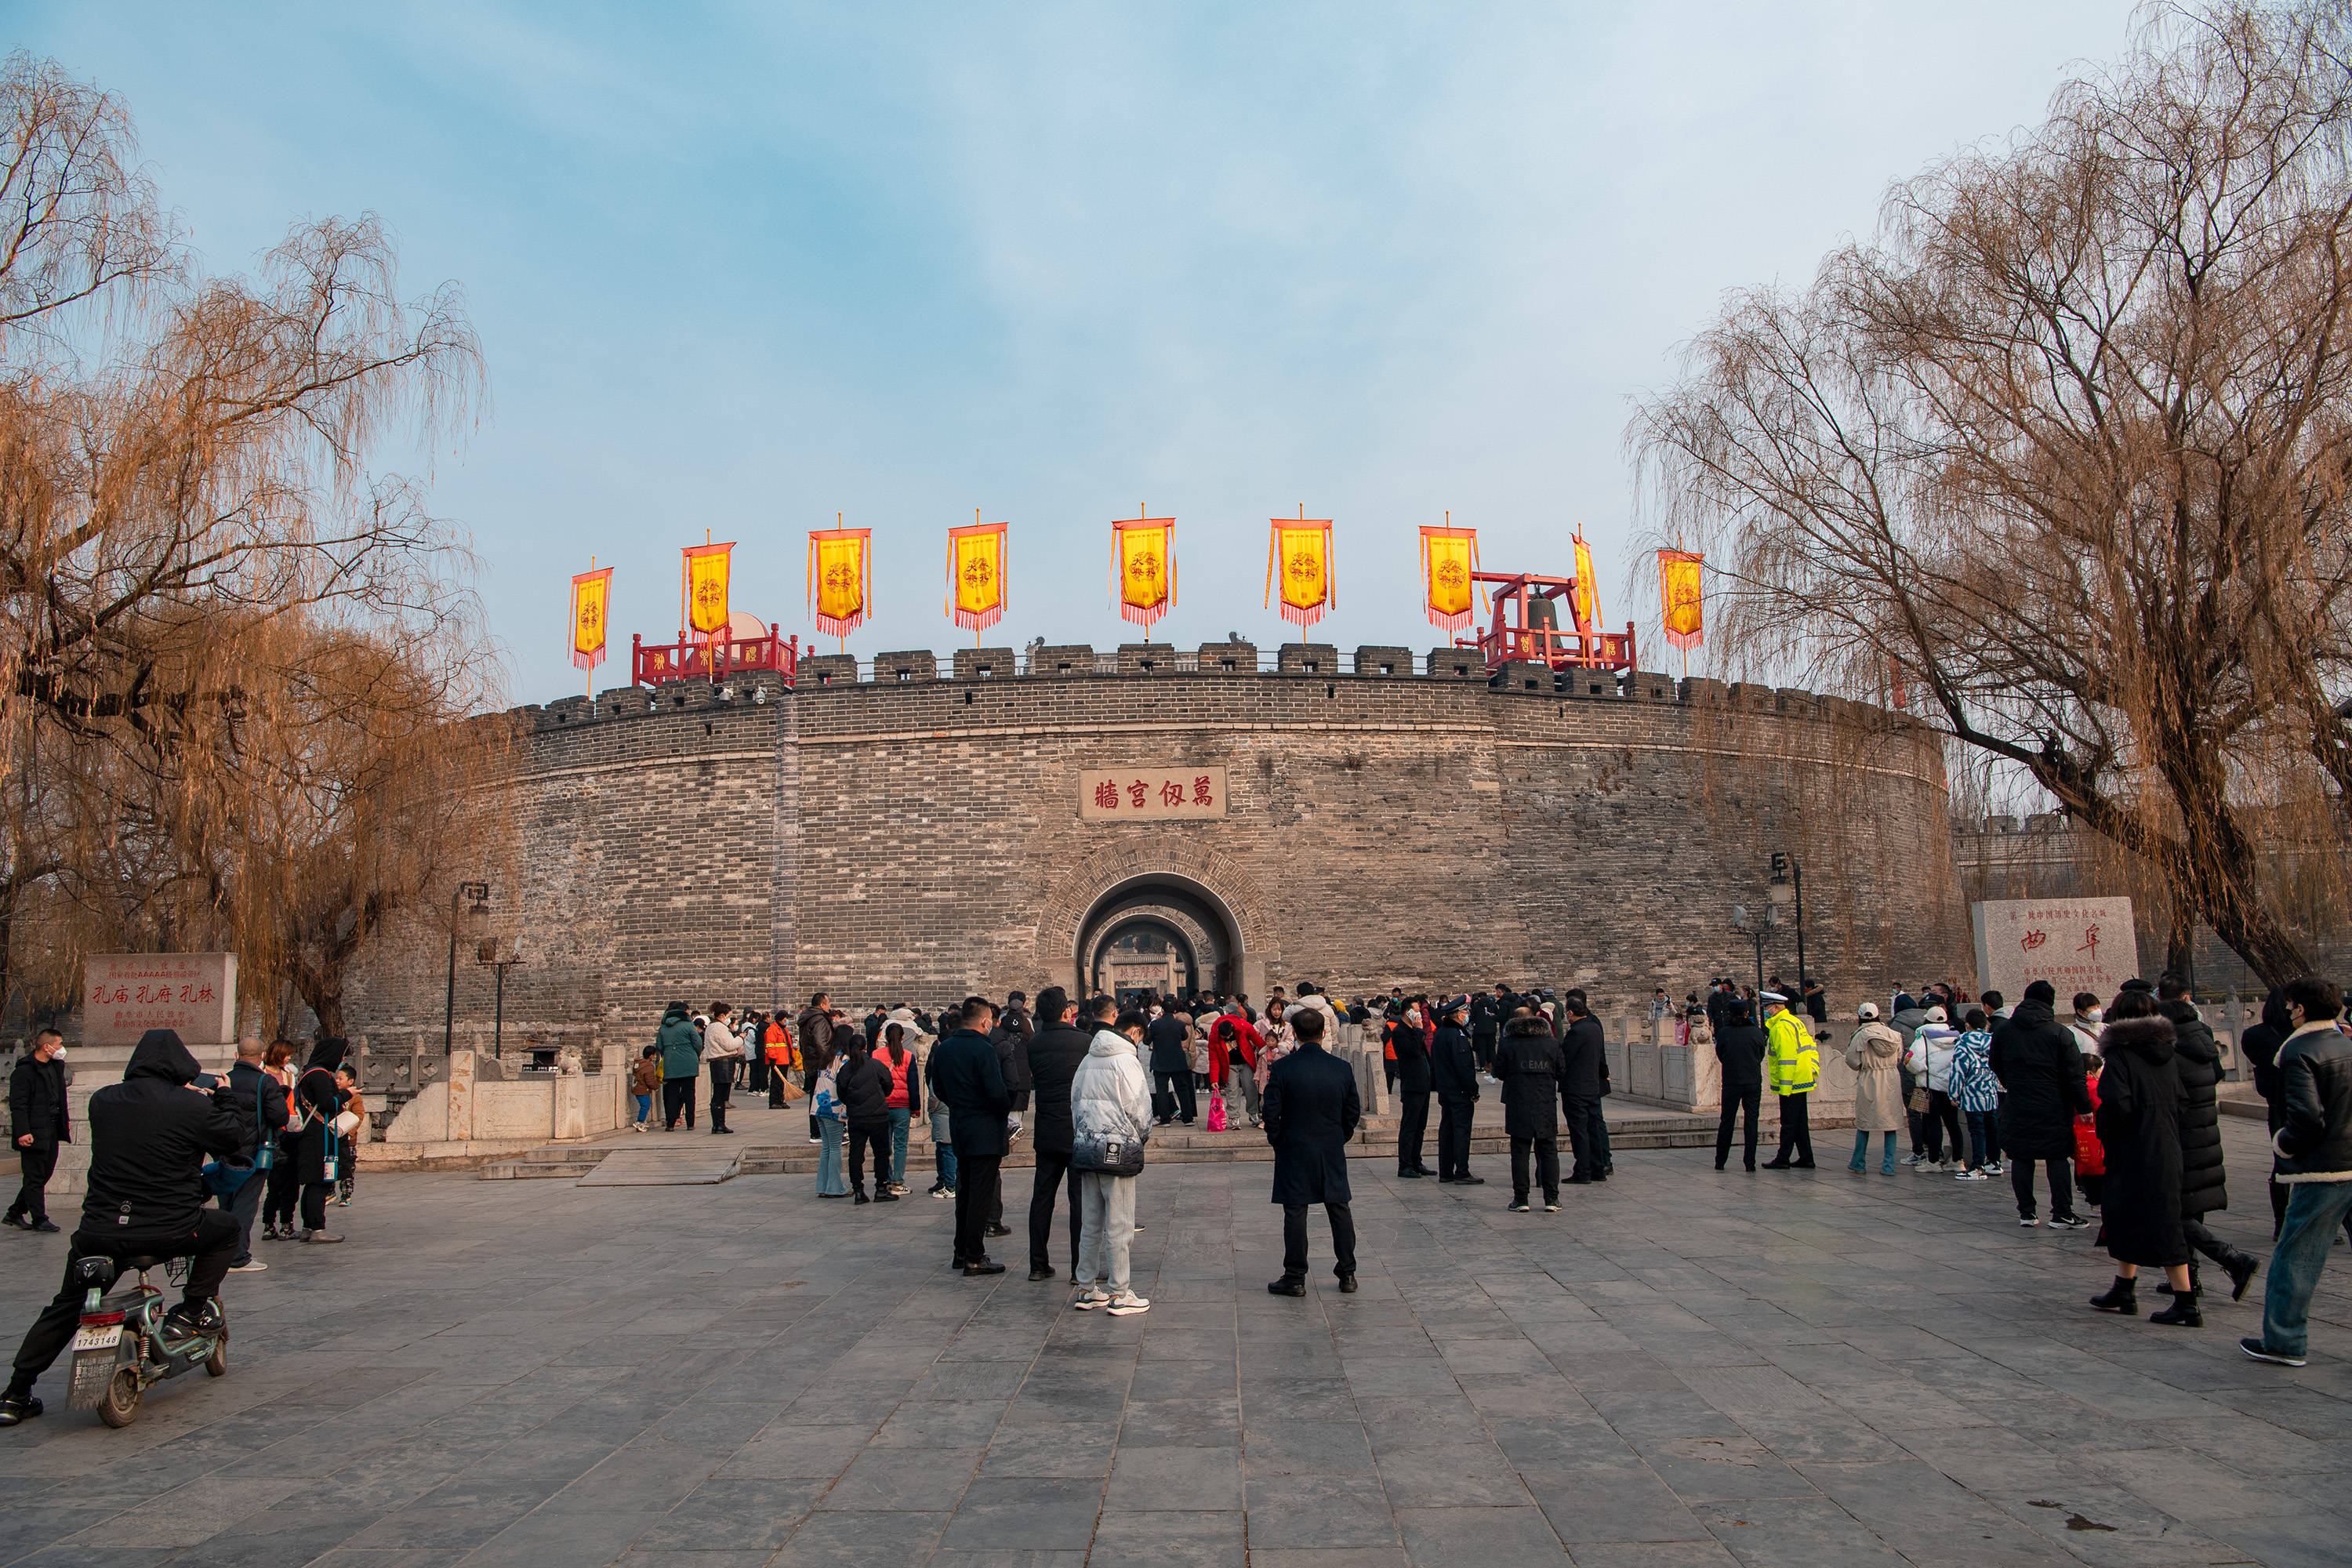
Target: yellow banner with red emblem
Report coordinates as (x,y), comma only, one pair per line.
(591,593)
(1448,557)
(1584,604)
(705,586)
(976,574)
(1680,598)
(1298,556)
(1143,568)
(840,578)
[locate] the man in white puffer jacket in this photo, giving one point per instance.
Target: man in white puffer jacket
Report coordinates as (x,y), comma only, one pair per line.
(1110,1098)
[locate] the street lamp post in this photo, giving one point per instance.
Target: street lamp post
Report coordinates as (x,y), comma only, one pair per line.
(500,956)
(1753,928)
(480,893)
(1789,885)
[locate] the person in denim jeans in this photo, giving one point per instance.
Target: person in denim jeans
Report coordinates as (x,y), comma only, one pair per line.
(1977,1095)
(942,1146)
(2314,1149)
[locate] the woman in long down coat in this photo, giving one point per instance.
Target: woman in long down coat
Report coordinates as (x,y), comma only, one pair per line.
(2140,1127)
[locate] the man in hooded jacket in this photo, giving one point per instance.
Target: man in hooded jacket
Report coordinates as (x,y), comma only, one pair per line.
(2040,1063)
(681,1055)
(147,1136)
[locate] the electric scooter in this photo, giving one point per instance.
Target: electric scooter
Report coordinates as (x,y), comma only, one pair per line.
(125,1346)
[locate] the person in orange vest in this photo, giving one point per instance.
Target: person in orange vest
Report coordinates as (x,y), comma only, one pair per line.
(784,1059)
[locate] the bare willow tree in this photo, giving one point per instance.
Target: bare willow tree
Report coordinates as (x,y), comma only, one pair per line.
(204,575)
(2064,453)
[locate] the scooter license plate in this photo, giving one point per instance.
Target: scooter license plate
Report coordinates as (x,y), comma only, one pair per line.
(97,1338)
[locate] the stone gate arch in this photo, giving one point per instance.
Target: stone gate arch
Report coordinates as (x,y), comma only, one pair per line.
(1115,875)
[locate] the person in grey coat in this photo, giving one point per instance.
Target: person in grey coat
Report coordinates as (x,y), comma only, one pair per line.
(1311,1110)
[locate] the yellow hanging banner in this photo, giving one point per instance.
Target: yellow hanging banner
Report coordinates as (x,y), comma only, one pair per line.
(1298,555)
(1679,598)
(840,578)
(976,574)
(1143,568)
(1584,604)
(1448,557)
(590,604)
(706,587)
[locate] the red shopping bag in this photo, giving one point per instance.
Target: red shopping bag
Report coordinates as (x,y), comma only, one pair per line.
(1216,1111)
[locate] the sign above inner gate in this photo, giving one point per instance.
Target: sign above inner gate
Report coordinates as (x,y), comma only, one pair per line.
(1151,795)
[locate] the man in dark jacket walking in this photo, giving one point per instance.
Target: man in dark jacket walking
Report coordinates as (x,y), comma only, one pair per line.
(148,1137)
(1171,1067)
(1739,1047)
(1054,1053)
(1583,1082)
(1454,1072)
(36,1125)
(1412,1081)
(1311,1110)
(2040,1064)
(1529,1063)
(2313,1149)
(970,1083)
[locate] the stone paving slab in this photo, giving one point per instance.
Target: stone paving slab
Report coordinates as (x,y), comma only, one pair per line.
(1681,1369)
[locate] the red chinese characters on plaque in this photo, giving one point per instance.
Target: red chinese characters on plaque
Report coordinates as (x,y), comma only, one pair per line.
(1151,795)
(124,995)
(2076,944)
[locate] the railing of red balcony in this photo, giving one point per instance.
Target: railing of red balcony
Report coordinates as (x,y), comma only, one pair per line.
(695,660)
(1557,650)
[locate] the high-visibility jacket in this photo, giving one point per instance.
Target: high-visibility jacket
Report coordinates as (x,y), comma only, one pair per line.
(1792,1059)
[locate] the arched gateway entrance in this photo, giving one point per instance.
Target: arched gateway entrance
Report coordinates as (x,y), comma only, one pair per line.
(1162,933)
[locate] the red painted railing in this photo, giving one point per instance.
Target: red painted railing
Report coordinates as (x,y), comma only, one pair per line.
(695,660)
(1558,650)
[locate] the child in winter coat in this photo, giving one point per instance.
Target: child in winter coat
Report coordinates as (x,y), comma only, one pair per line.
(645,1082)
(1976,1093)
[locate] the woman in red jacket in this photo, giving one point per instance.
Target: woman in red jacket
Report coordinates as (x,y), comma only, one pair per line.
(906,1099)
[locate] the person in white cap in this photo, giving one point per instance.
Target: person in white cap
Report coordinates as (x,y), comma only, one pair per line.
(1792,1064)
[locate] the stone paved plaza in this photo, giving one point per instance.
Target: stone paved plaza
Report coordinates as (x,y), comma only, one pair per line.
(1680,1368)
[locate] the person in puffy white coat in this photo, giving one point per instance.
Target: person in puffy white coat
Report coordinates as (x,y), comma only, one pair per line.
(1110,1098)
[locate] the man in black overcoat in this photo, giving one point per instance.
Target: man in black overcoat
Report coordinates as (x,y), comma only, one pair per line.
(1054,1053)
(1453,1069)
(1528,1061)
(970,1081)
(1583,1079)
(1311,1110)
(1413,1085)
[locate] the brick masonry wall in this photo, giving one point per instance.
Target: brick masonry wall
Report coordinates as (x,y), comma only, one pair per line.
(922,840)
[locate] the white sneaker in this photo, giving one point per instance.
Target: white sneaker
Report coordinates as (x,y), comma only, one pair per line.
(1087,1299)
(1915,1159)
(251,1266)
(1126,1304)
(1972,1176)
(1995,1168)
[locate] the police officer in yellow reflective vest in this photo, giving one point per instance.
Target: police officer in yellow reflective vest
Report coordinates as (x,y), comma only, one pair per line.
(1792,1064)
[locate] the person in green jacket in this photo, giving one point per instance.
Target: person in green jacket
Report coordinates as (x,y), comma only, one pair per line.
(681,1057)
(1792,1064)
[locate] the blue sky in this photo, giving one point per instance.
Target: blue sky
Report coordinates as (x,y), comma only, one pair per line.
(739,268)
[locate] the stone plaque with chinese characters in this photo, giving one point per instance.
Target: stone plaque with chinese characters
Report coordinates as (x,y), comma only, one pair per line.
(124,995)
(2076,944)
(1151,795)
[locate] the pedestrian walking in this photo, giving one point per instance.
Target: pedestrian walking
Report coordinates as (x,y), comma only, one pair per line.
(681,1049)
(724,1052)
(1976,1095)
(38,1123)
(2139,1126)
(1583,1082)
(1110,1121)
(970,1079)
(1409,1039)
(1454,1073)
(1740,1048)
(1171,1069)
(2261,1043)
(2039,1061)
(2313,1162)
(2204,1180)
(1530,1064)
(1311,1110)
(1930,1060)
(1792,1066)
(1056,1051)
(825,1111)
(1874,1053)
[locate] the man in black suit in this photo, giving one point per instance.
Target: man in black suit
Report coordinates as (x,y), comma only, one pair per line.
(1311,1110)
(969,1080)
(1054,1053)
(1411,1078)
(1583,1079)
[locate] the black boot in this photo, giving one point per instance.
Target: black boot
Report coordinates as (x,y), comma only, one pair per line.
(2182,1313)
(2123,1297)
(2242,1268)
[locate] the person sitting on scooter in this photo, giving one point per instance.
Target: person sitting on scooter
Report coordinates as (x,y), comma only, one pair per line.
(148,1137)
